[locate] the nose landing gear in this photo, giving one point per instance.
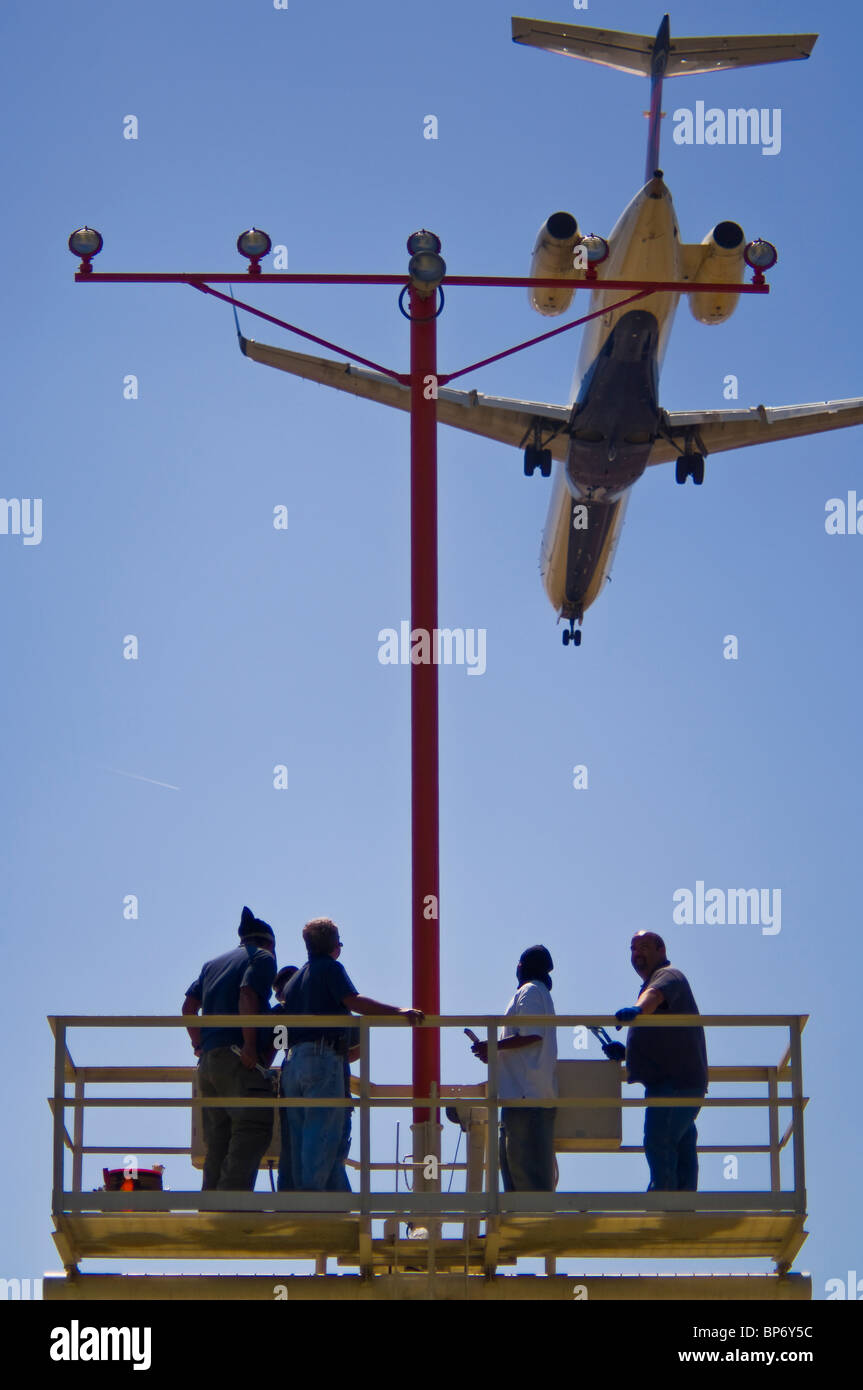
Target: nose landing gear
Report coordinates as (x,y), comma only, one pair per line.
(572,634)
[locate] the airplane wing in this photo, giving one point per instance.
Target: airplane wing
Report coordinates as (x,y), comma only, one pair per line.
(715,431)
(494,417)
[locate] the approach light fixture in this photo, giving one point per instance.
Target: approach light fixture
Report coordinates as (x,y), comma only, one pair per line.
(254,244)
(760,255)
(423,241)
(595,248)
(86,242)
(426,267)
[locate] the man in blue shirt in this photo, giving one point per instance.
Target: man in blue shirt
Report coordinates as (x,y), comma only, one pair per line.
(315,1062)
(232,1061)
(668,1062)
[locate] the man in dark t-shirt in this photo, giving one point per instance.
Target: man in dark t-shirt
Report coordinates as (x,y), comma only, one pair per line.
(232,1061)
(315,1061)
(668,1062)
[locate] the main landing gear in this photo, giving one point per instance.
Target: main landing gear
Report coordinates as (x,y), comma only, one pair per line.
(537,458)
(690,466)
(572,634)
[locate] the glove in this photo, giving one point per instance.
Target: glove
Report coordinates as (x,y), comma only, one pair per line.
(614,1051)
(627,1015)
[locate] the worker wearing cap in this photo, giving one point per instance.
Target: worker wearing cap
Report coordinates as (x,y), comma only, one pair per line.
(232,1061)
(668,1062)
(527,1062)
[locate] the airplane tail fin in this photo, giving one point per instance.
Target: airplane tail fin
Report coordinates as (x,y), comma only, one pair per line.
(634,52)
(660,57)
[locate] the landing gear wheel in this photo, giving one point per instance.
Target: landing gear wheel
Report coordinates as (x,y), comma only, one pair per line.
(572,634)
(690,466)
(537,458)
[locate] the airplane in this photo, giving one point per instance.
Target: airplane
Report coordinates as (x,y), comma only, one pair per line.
(614,427)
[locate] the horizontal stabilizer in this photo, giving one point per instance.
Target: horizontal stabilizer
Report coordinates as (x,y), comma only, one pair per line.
(611,48)
(745,51)
(634,52)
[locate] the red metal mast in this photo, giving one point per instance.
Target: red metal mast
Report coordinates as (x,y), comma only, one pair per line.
(424,694)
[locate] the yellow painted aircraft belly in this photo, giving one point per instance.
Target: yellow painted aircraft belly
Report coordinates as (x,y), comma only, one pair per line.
(644,245)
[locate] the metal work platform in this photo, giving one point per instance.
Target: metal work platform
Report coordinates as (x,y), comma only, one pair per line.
(464,1242)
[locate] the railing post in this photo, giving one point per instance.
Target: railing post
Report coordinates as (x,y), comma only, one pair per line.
(773,1127)
(493,1126)
(59,1113)
(78,1140)
(365,1117)
(797,1115)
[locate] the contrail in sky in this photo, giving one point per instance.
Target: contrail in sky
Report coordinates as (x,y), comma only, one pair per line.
(138,778)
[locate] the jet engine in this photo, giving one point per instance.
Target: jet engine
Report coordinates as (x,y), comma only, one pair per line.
(722,264)
(553,257)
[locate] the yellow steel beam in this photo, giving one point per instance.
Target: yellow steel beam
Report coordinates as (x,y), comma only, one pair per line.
(420,1288)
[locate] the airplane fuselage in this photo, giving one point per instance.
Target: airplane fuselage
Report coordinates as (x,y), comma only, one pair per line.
(615,404)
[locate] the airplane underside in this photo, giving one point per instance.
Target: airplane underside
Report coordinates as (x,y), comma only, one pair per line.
(616,417)
(615,421)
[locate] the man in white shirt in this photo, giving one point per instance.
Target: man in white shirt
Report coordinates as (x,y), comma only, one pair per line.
(526,1069)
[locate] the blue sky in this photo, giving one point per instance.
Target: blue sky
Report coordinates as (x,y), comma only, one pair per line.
(259,647)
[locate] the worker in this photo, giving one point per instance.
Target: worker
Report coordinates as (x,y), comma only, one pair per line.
(527,1062)
(315,1061)
(668,1062)
(233,1061)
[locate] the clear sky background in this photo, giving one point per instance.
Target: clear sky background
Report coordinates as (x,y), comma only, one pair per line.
(259,647)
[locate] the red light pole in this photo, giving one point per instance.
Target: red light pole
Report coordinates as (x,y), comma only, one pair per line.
(427,270)
(424,694)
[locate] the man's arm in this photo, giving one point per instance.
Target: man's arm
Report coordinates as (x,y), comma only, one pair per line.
(511,1044)
(191,1005)
(360,1004)
(649,1000)
(250,1004)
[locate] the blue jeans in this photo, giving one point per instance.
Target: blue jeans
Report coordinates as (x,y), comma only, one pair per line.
(338,1181)
(670,1139)
(314,1070)
(527,1149)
